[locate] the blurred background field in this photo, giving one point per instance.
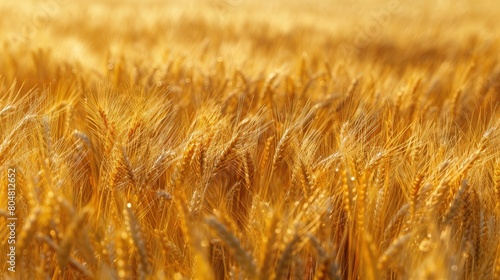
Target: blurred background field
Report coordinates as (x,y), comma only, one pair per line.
(244,33)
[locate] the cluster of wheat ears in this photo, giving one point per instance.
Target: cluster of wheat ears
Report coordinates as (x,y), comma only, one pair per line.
(382,165)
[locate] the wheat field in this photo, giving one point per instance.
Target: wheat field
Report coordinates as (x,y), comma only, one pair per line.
(233,139)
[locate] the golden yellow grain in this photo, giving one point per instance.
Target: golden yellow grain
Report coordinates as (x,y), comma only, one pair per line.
(347,191)
(266,152)
(378,146)
(183,162)
(417,182)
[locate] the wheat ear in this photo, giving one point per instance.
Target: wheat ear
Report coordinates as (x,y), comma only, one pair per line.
(286,258)
(270,250)
(244,259)
(134,229)
(393,251)
(280,148)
